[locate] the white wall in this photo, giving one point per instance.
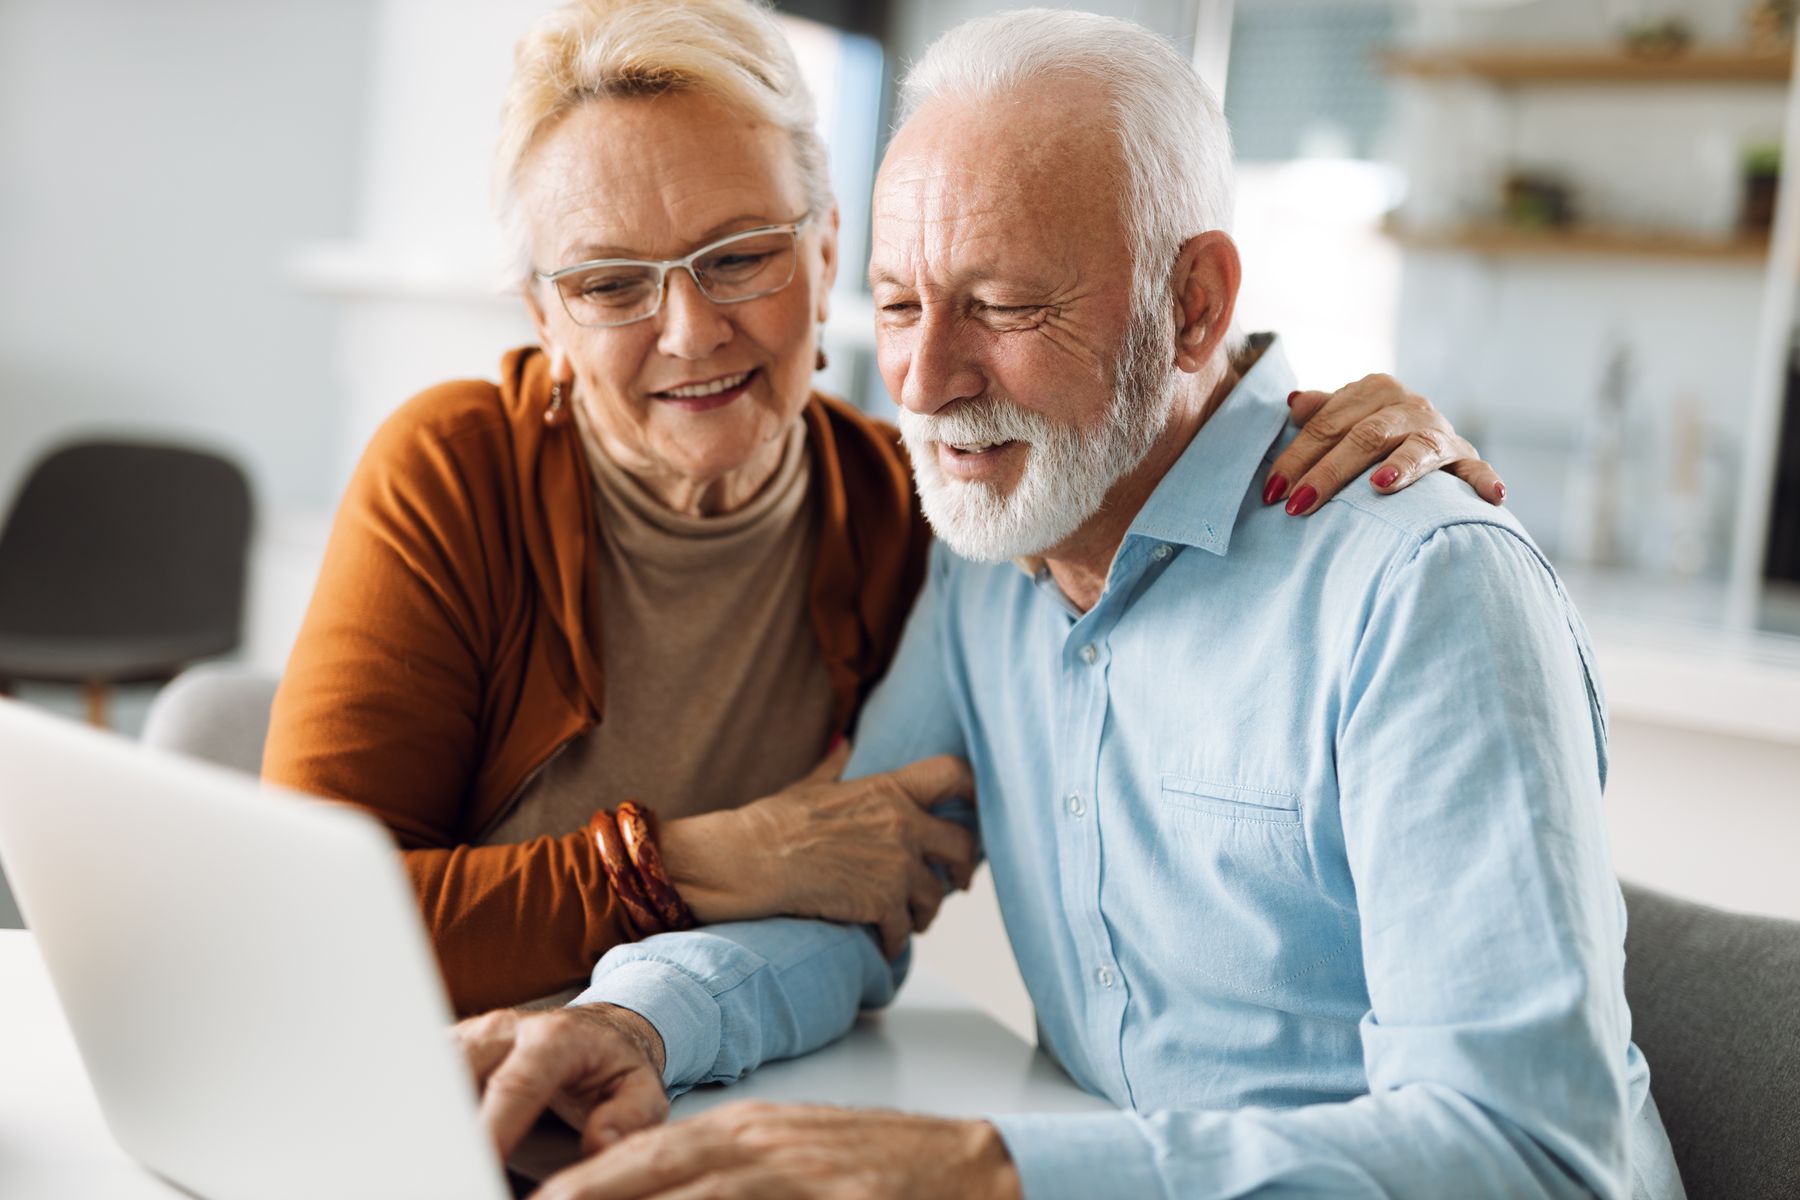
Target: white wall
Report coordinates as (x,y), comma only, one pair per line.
(1706,816)
(157,162)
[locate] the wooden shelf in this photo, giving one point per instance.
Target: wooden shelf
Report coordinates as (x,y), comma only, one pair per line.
(1494,238)
(1601,65)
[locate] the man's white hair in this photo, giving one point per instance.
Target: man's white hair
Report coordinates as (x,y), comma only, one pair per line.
(1172,133)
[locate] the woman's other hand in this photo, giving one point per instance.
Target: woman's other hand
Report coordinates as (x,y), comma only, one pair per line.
(1374,420)
(597,1066)
(860,852)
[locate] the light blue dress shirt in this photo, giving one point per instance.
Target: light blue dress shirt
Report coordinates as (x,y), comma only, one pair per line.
(1298,838)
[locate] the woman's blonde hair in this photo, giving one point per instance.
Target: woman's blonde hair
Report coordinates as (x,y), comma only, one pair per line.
(730,49)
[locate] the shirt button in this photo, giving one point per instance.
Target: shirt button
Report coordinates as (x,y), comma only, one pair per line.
(1076,804)
(1161,552)
(1105,976)
(1089,653)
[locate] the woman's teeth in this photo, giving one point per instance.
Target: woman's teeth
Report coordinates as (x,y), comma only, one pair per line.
(697,390)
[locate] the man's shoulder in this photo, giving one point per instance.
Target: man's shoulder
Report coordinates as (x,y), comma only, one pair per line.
(1397,527)
(1363,551)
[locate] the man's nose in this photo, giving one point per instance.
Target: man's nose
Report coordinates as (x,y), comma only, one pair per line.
(692,326)
(939,370)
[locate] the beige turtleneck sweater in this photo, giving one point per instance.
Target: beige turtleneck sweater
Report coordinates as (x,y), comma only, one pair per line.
(716,690)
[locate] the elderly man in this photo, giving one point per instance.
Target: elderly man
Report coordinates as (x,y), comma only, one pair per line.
(1321,918)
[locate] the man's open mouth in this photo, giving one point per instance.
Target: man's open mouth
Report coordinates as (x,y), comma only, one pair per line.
(968,448)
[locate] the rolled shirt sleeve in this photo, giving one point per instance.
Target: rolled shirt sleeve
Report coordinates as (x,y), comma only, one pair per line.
(730,997)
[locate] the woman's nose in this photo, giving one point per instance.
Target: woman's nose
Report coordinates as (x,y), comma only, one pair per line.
(692,326)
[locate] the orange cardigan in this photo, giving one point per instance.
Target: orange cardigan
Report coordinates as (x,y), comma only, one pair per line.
(453,645)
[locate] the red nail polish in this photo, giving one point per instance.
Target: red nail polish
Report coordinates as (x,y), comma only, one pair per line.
(1499,490)
(1386,477)
(1275,489)
(1292,396)
(1302,500)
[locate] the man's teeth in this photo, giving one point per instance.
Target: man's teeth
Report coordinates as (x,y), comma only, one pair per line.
(974,447)
(696,390)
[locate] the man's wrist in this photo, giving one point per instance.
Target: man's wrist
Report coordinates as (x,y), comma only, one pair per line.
(685,1016)
(632,1024)
(988,1166)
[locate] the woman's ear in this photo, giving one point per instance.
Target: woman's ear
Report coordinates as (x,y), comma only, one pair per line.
(1206,279)
(828,254)
(561,370)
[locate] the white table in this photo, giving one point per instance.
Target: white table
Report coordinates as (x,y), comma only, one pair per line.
(932,1051)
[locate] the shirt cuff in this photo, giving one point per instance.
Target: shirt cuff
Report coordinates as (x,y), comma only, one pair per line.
(679,1006)
(1077,1156)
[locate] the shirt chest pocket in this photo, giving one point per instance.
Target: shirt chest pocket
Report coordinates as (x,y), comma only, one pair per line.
(1203,801)
(1235,857)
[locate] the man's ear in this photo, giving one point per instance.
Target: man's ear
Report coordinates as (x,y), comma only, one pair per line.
(1207,274)
(560,369)
(828,252)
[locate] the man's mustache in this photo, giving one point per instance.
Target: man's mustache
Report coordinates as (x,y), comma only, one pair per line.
(984,419)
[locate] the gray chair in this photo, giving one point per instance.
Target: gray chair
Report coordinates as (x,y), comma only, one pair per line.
(122,563)
(1715,1005)
(217,712)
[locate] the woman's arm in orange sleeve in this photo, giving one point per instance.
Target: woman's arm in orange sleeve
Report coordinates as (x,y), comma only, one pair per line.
(381,706)
(513,923)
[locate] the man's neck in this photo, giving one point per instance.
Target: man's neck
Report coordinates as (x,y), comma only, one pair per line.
(1082,561)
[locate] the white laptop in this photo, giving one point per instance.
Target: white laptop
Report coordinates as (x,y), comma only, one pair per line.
(244,970)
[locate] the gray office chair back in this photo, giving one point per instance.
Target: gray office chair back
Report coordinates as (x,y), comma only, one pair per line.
(218,713)
(123,540)
(1715,1005)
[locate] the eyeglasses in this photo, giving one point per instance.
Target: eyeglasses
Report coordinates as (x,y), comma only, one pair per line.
(619,291)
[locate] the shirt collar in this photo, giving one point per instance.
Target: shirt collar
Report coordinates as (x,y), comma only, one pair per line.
(1197,502)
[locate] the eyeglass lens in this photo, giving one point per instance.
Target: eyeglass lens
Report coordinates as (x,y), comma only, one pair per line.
(741,269)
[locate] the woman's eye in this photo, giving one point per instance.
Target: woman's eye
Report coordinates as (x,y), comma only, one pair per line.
(610,287)
(738,262)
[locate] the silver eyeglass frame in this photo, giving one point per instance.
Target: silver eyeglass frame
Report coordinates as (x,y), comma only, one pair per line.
(664,266)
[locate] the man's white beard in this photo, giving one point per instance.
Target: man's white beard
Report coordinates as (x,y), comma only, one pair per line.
(1068,471)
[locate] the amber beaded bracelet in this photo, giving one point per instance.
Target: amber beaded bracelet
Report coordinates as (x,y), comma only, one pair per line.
(634,867)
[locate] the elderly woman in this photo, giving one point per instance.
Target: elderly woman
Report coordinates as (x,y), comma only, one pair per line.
(578,634)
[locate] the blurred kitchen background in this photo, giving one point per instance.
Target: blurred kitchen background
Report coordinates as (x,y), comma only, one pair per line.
(256,228)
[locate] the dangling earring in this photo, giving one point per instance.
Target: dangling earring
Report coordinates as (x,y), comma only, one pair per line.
(821,362)
(553,416)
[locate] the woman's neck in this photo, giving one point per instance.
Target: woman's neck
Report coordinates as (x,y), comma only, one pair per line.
(691,497)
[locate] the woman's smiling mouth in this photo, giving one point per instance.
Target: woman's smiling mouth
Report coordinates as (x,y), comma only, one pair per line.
(706,395)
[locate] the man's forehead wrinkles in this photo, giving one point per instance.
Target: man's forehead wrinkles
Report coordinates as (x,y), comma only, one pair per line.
(964,190)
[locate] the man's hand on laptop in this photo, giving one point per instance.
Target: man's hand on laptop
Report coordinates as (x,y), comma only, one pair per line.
(753,1150)
(597,1066)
